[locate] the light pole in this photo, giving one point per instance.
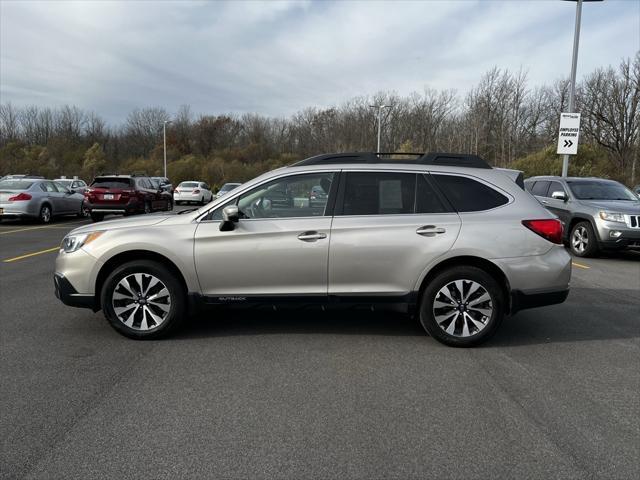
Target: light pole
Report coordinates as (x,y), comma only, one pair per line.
(574,64)
(164,141)
(379,107)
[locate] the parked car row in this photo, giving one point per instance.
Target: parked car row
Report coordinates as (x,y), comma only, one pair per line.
(31,196)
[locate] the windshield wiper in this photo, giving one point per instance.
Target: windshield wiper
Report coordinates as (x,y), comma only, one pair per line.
(187,210)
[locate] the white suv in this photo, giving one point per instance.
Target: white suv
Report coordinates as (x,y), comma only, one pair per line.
(442,236)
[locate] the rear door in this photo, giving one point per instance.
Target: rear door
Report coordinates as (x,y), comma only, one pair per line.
(55,197)
(388,226)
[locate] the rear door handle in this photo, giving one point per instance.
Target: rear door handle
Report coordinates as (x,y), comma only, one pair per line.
(430,230)
(311,236)
(544,201)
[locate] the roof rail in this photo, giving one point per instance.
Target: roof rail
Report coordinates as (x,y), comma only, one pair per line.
(449,159)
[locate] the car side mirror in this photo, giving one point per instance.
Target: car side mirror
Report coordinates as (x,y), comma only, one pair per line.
(230,215)
(559,196)
(70,191)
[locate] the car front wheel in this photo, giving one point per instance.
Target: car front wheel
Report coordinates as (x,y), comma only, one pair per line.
(462,306)
(143,300)
(582,240)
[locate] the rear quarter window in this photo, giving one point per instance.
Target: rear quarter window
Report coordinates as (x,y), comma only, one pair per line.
(469,195)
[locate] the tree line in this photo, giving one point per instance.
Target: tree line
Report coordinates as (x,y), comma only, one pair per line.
(502,118)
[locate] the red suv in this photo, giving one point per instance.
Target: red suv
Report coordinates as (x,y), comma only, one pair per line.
(125,195)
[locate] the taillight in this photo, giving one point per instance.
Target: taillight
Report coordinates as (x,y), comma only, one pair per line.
(196,191)
(20,197)
(176,191)
(551,229)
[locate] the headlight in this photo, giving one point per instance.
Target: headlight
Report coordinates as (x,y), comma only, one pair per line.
(612,217)
(71,243)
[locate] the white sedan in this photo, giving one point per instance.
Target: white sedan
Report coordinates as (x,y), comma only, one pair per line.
(192,191)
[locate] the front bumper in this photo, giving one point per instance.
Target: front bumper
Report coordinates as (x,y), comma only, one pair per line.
(69,296)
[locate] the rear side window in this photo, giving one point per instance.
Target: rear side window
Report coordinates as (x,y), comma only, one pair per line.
(379,193)
(540,188)
(108,182)
(468,195)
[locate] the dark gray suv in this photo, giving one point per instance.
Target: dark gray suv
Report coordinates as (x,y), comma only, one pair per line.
(597,214)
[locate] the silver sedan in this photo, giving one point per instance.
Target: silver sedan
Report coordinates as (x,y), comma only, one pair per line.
(39,199)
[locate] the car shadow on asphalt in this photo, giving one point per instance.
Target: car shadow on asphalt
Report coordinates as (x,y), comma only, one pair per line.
(589,314)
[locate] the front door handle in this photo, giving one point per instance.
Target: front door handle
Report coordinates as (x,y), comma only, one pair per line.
(430,230)
(544,202)
(311,236)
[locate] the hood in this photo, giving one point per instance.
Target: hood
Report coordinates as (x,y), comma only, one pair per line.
(618,206)
(126,222)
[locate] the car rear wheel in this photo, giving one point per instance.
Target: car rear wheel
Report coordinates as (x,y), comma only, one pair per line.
(582,240)
(169,205)
(462,306)
(147,207)
(45,214)
(97,217)
(143,300)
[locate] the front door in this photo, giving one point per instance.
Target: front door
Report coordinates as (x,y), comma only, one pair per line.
(557,206)
(386,230)
(279,247)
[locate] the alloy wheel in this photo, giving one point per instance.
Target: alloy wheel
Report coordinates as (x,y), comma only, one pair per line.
(462,308)
(580,239)
(45,214)
(141,301)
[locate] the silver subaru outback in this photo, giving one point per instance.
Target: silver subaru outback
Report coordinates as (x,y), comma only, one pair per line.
(444,237)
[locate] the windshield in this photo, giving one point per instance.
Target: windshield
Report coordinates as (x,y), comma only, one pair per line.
(594,190)
(108,182)
(229,186)
(15,185)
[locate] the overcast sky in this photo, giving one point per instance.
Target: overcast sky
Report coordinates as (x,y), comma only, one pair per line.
(276,58)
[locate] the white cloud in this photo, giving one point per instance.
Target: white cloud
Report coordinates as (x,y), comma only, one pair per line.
(278,57)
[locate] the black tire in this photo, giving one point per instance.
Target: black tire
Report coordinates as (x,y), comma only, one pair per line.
(175,316)
(83,213)
(456,338)
(46,214)
(202,201)
(147,208)
(178,202)
(97,217)
(169,205)
(582,240)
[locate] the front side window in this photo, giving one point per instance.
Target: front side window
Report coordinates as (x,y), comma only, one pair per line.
(541,188)
(555,187)
(287,197)
(469,195)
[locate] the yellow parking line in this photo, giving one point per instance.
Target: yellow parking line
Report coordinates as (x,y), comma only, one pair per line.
(48,250)
(579,265)
(61,225)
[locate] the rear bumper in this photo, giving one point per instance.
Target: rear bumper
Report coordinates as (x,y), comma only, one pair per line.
(523,301)
(69,296)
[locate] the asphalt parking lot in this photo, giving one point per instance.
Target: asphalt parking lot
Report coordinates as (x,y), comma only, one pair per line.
(556,394)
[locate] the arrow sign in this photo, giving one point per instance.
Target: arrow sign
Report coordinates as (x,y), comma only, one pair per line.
(568,133)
